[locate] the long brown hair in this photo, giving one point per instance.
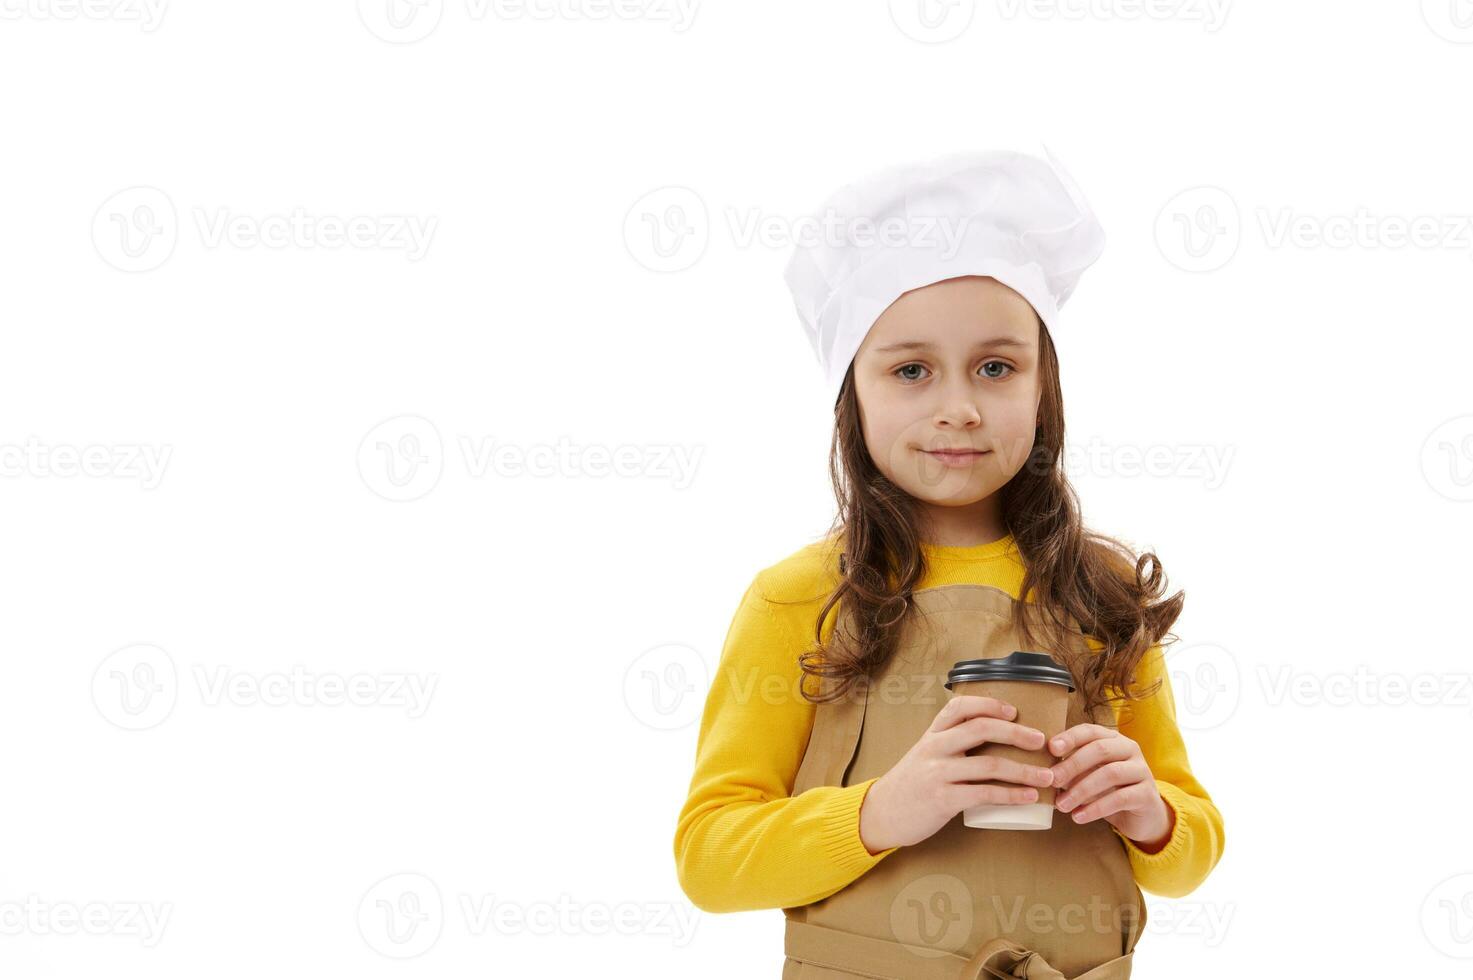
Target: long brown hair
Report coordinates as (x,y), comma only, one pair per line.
(1071,573)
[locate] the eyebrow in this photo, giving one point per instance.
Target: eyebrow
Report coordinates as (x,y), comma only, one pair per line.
(923,345)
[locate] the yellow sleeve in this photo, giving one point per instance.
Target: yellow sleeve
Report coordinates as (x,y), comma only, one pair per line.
(742,842)
(1196,841)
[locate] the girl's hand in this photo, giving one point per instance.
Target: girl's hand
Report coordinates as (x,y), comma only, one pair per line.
(933,782)
(1104,775)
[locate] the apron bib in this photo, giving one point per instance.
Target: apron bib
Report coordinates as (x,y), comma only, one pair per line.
(964,904)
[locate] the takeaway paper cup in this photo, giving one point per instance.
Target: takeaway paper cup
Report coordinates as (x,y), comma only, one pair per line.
(1038,686)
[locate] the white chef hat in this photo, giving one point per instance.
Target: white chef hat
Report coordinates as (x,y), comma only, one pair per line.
(1002,213)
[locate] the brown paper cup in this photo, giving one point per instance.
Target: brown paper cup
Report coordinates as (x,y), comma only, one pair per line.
(1041,704)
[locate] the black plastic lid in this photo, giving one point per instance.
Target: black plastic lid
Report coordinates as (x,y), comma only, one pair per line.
(1016,666)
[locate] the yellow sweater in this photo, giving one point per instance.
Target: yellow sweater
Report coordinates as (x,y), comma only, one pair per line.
(744,842)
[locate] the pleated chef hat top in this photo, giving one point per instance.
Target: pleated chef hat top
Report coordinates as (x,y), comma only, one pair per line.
(1001,213)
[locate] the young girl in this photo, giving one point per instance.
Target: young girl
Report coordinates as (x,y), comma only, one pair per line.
(832,763)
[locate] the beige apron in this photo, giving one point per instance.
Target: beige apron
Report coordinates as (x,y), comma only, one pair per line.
(964,904)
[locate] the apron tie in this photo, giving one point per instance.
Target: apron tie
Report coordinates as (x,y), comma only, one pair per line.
(851,954)
(1000,958)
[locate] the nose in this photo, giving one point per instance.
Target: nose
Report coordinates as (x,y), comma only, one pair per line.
(958,407)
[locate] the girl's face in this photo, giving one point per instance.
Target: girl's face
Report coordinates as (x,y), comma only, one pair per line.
(948,387)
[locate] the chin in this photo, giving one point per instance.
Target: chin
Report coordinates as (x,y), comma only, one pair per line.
(963,499)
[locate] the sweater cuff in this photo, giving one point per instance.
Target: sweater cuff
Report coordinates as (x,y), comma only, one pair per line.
(1176,844)
(841,838)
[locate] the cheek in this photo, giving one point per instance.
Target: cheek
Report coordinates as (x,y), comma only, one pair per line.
(1014,427)
(884,426)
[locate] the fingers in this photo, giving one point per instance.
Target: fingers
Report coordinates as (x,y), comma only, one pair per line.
(1071,738)
(1125,798)
(967,795)
(966,706)
(974,768)
(1093,751)
(974,732)
(1100,782)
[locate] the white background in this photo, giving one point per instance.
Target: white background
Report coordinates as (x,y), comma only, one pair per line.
(295,393)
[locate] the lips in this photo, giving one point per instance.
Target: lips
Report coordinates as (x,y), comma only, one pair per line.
(956,455)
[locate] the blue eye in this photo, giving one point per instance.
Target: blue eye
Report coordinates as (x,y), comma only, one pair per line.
(999,364)
(905,367)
